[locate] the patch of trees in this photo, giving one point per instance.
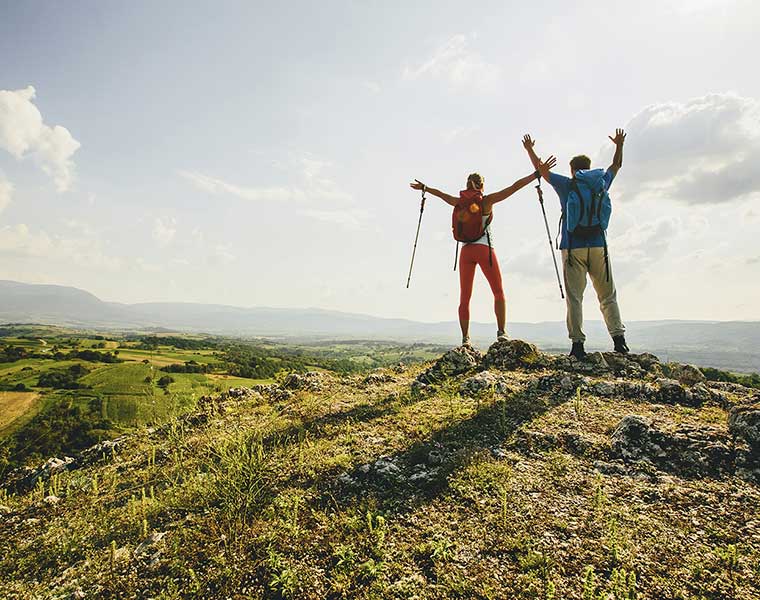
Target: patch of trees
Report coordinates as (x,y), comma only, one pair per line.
(165,381)
(751,380)
(61,429)
(13,387)
(153,342)
(11,353)
(259,363)
(67,379)
(88,355)
(95,356)
(189,366)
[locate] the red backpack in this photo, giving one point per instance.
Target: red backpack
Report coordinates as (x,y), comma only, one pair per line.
(467,219)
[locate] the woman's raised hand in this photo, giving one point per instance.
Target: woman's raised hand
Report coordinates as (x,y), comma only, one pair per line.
(549,163)
(544,166)
(416,185)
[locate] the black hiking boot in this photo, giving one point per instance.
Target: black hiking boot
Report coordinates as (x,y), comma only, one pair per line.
(620,345)
(578,350)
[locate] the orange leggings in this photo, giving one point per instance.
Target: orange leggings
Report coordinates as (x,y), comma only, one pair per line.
(471,256)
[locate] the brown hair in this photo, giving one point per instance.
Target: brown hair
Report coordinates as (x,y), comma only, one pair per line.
(475,181)
(580,162)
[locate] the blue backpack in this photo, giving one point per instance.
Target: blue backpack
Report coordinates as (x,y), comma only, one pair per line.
(588,207)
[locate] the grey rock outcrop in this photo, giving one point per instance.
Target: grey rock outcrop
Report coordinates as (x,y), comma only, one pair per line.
(744,423)
(454,362)
(482,382)
(685,374)
(508,355)
(310,381)
(687,451)
(377,379)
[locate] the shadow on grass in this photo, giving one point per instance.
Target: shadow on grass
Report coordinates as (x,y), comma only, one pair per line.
(395,486)
(364,412)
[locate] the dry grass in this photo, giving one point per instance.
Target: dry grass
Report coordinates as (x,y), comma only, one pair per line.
(13,405)
(254,506)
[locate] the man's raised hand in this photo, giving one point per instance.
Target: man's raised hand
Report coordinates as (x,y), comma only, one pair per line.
(416,185)
(528,143)
(619,137)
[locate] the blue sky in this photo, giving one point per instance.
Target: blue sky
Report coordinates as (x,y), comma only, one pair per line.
(254,155)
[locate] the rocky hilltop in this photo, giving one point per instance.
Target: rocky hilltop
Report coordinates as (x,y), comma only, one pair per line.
(513,474)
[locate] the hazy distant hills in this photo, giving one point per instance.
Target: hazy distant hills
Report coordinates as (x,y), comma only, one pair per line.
(723,344)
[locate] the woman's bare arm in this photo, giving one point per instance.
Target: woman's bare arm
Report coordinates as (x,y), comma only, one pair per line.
(492,199)
(447,198)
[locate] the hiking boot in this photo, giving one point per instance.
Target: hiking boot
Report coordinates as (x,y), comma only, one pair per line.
(501,336)
(466,341)
(578,350)
(620,345)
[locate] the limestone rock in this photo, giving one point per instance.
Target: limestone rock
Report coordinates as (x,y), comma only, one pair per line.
(311,381)
(151,544)
(632,438)
(671,391)
(744,423)
(484,381)
(604,388)
(687,451)
(609,468)
(454,362)
(685,374)
(420,389)
(508,355)
(377,379)
(105,449)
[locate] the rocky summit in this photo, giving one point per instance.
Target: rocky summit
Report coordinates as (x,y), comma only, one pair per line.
(509,474)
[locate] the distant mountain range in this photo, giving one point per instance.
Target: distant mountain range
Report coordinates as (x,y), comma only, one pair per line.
(724,344)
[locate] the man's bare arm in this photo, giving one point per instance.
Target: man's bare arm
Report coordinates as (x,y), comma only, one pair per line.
(617,160)
(447,198)
(528,144)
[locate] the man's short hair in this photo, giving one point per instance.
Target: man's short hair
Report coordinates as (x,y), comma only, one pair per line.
(580,162)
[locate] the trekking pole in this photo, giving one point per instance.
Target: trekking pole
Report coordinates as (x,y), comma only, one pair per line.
(414,250)
(551,246)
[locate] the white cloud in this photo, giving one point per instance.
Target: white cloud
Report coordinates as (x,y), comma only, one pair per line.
(6,192)
(222,253)
(372,86)
(218,187)
(316,188)
(350,218)
(457,133)
(456,63)
(702,151)
(148,267)
(164,230)
(645,243)
(23,133)
(18,241)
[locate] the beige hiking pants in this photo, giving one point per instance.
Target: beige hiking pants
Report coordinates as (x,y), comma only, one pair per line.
(589,261)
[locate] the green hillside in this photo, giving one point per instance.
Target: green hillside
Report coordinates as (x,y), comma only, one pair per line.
(514,475)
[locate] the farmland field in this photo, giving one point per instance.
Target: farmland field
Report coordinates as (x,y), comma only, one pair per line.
(68,387)
(13,405)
